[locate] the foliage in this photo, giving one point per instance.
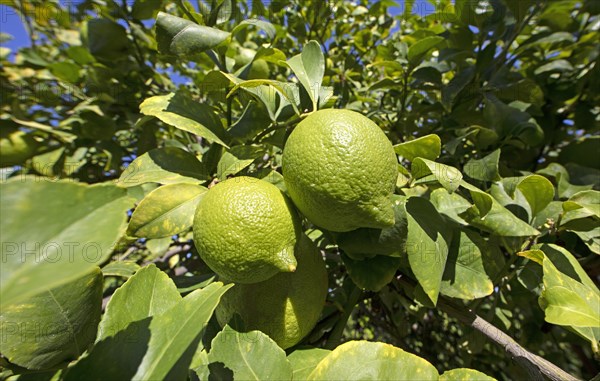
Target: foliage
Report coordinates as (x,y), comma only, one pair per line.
(121,109)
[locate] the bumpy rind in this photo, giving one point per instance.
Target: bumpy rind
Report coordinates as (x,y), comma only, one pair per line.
(245,229)
(340,170)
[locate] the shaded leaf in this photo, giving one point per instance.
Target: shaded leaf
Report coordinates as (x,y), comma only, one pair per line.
(372,273)
(304,360)
(57,231)
(449,177)
(53,327)
(181,37)
(420,48)
(484,169)
(427,245)
(123,269)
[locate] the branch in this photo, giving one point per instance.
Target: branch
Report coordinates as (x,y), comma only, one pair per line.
(536,366)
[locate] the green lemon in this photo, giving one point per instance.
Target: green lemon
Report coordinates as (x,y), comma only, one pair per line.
(259,70)
(245,230)
(285,307)
(16,146)
(340,170)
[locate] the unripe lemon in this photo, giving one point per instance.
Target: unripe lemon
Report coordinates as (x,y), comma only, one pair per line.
(245,230)
(287,306)
(340,170)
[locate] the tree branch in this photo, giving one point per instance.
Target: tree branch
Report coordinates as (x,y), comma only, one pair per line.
(536,366)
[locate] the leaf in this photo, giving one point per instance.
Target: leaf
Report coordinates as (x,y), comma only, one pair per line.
(427,245)
(419,49)
(385,362)
(237,159)
(181,111)
(465,276)
(450,204)
(250,355)
(465,374)
(581,205)
(484,169)
(181,37)
(372,273)
(483,201)
(567,307)
(304,360)
(123,269)
(535,255)
(146,9)
(309,67)
(501,221)
(166,211)
(53,327)
(263,25)
(168,165)
(148,293)
(511,121)
(554,66)
(456,85)
(155,348)
(54,232)
(580,151)
(105,39)
(538,191)
(428,147)
(449,177)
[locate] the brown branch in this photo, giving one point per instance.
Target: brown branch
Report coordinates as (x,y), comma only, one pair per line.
(536,366)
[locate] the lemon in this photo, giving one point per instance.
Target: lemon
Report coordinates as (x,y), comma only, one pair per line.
(245,230)
(16,146)
(285,307)
(340,170)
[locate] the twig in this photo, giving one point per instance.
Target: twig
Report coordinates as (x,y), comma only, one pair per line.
(536,366)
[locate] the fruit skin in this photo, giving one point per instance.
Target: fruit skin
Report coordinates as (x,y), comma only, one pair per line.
(245,230)
(285,307)
(340,170)
(16,146)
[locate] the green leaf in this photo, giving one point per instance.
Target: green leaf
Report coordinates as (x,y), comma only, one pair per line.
(166,211)
(309,67)
(54,232)
(372,273)
(465,276)
(146,9)
(538,191)
(263,25)
(501,221)
(155,348)
(168,165)
(559,66)
(237,159)
(449,177)
(123,269)
(66,71)
(148,293)
(483,201)
(105,39)
(419,49)
(582,204)
(428,147)
(580,151)
(450,204)
(573,308)
(385,362)
(465,374)
(181,111)
(427,245)
(181,37)
(304,360)
(456,85)
(511,121)
(368,242)
(250,355)
(484,169)
(53,327)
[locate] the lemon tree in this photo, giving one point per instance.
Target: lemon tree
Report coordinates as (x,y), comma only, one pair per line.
(299,190)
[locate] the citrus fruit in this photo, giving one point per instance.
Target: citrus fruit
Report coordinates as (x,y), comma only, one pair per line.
(16,146)
(340,170)
(287,306)
(245,230)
